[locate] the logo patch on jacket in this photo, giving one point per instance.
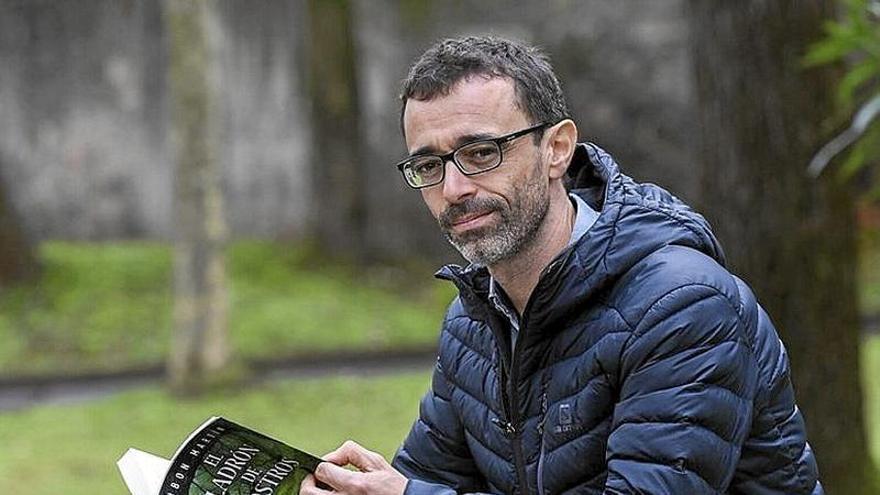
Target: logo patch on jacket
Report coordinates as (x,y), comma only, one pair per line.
(566,422)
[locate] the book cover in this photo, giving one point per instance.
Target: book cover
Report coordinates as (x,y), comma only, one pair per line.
(220,458)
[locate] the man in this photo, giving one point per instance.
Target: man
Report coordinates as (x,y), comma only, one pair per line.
(597,344)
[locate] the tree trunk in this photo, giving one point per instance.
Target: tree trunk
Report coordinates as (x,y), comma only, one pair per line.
(790,237)
(17,261)
(338,168)
(200,348)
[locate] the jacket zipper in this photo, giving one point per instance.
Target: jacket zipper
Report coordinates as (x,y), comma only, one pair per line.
(512,425)
(516,439)
(519,459)
(541,454)
(510,404)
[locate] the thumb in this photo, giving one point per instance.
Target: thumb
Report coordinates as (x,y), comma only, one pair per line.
(352,453)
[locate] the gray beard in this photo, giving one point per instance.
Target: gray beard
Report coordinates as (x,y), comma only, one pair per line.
(513,233)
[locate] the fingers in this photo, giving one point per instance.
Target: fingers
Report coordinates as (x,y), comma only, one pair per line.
(342,481)
(352,453)
(335,476)
(309,487)
(375,476)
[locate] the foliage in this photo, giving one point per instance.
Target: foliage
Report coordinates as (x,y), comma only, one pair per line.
(108,306)
(73,449)
(854,39)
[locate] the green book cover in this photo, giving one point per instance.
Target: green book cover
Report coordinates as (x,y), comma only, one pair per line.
(225,458)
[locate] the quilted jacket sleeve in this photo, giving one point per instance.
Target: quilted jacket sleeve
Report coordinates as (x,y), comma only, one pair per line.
(435,456)
(687,384)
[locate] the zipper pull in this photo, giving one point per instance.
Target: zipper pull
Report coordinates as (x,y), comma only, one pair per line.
(543,414)
(506,426)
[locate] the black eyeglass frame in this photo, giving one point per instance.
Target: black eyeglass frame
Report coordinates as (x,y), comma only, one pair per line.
(498,141)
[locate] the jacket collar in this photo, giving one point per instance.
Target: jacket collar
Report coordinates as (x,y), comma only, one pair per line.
(634,221)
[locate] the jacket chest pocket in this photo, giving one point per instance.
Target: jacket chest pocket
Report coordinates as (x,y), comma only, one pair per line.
(573,433)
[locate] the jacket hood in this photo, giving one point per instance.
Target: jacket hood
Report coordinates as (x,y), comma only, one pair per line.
(634,221)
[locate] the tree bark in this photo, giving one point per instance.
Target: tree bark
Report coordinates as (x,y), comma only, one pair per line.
(338,168)
(200,348)
(17,261)
(792,238)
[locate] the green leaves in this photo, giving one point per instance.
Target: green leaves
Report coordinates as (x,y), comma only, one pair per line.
(859,75)
(853,41)
(860,129)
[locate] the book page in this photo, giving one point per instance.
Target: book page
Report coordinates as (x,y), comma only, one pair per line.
(142,472)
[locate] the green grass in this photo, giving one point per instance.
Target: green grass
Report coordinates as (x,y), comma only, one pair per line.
(108,306)
(76,446)
(869,304)
(73,449)
(870,372)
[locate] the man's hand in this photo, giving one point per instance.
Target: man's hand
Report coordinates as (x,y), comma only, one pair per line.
(376,476)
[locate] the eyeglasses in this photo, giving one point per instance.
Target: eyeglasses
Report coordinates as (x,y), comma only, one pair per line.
(471,158)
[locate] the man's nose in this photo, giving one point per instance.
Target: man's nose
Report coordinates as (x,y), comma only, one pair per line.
(457,186)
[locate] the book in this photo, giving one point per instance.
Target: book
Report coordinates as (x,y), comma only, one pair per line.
(219,458)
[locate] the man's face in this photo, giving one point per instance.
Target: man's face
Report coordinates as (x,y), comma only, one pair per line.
(495,215)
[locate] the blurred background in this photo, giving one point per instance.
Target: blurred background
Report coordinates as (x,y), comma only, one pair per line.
(200,213)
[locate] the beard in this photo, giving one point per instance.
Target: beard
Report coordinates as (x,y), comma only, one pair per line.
(516,228)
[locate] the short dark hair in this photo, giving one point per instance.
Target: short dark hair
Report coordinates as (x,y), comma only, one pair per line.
(451,60)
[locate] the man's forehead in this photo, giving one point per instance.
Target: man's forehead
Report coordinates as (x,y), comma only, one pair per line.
(473,107)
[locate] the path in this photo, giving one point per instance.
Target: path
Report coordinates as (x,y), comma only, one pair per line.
(20,393)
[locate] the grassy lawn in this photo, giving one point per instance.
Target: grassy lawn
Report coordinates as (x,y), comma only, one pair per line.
(73,449)
(870,372)
(869,304)
(76,446)
(108,306)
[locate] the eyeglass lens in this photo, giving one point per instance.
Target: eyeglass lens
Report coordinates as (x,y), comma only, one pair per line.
(471,159)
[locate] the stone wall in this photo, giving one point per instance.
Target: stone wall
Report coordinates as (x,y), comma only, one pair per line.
(83,106)
(624,67)
(84,117)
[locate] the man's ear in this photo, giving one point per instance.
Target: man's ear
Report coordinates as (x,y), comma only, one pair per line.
(561,141)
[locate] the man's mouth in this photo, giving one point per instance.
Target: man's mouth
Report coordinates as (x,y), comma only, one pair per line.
(470,221)
(469,216)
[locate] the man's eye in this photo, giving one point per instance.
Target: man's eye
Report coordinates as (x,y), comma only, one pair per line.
(482,152)
(426,168)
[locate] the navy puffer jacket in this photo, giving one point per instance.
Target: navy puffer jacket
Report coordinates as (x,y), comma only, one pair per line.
(642,366)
